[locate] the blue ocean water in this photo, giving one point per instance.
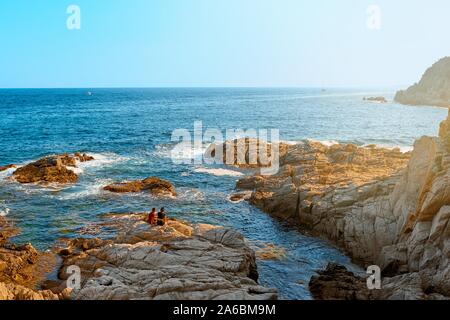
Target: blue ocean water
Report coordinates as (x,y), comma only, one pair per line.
(129,133)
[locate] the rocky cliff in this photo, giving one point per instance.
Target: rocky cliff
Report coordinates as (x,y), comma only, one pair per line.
(433,89)
(383,207)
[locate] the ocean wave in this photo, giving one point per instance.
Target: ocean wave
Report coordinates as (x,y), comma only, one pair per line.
(220,172)
(180,151)
(327,143)
(190,194)
(87,190)
(101,160)
(7,173)
(4,210)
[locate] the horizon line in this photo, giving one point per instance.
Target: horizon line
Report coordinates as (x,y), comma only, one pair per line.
(210,87)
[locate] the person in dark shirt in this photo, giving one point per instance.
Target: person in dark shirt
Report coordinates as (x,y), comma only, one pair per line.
(152,217)
(161,217)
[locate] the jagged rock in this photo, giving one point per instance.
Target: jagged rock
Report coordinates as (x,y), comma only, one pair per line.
(20,270)
(153,185)
(176,261)
(52,169)
(433,89)
(337,283)
(381,206)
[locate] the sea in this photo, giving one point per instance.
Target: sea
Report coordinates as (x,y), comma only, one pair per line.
(130,133)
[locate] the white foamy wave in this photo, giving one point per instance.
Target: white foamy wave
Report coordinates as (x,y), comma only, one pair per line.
(76,170)
(219,172)
(183,152)
(327,143)
(87,190)
(190,194)
(4,210)
(101,160)
(7,173)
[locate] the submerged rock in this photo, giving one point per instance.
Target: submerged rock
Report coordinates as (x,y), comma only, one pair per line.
(52,169)
(153,185)
(433,89)
(175,261)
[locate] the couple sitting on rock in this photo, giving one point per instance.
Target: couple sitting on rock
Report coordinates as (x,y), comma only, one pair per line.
(157,218)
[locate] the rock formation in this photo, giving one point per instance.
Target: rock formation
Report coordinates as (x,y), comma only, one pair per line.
(52,169)
(376,99)
(153,185)
(21,269)
(337,283)
(380,206)
(176,261)
(433,89)
(245,153)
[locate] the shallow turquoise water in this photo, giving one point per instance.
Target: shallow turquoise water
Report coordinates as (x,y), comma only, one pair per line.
(129,132)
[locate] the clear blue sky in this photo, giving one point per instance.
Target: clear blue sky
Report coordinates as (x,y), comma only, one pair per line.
(146,43)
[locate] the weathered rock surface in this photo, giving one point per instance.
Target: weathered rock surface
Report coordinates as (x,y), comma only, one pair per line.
(375,203)
(337,283)
(176,261)
(153,185)
(245,153)
(52,169)
(21,269)
(433,89)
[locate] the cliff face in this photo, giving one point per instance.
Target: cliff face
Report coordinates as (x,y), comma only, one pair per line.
(433,89)
(381,208)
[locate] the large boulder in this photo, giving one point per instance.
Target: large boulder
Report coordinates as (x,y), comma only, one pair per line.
(175,261)
(51,169)
(153,185)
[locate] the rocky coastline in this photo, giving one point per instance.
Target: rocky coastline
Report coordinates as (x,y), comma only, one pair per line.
(382,206)
(175,261)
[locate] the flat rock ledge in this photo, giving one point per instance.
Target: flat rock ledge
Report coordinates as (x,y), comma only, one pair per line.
(176,261)
(153,185)
(51,169)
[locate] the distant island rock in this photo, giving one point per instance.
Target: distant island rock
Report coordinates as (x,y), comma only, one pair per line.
(376,99)
(433,89)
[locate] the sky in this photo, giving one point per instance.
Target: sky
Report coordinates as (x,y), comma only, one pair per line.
(220,43)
